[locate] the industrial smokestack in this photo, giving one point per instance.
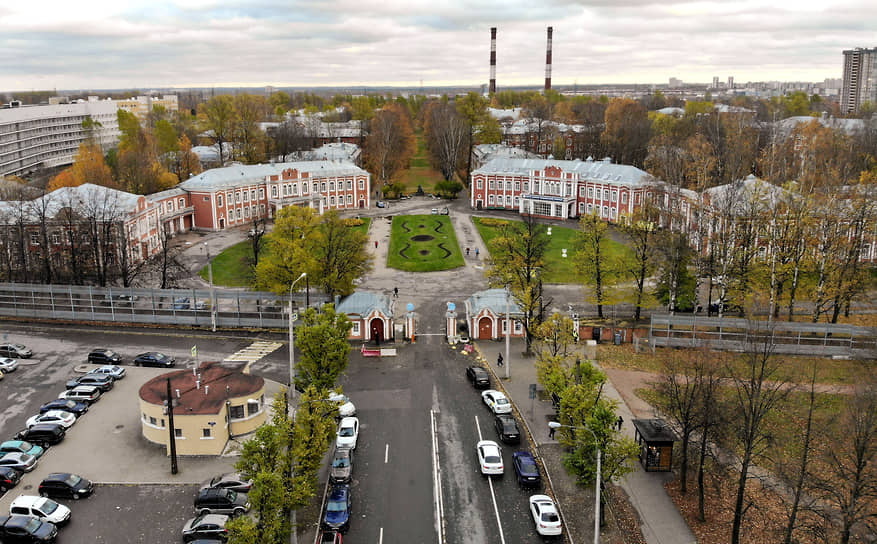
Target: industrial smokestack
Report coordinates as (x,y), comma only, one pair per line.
(492,88)
(548,61)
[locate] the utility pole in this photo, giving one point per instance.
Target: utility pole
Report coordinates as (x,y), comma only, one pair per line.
(173,433)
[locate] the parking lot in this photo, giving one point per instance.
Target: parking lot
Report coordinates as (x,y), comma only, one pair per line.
(137,499)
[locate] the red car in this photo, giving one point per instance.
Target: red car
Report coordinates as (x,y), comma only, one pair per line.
(330,537)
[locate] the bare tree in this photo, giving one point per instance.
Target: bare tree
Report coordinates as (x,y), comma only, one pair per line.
(803,467)
(42,209)
(446,135)
(257,238)
(166,263)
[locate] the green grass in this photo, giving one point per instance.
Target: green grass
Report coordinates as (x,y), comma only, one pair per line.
(425,255)
(232,268)
(420,172)
(557,269)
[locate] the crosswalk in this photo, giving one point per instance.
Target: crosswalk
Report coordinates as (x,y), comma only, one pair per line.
(253,353)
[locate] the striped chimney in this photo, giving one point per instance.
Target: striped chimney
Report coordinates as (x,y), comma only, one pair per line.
(548,61)
(492,60)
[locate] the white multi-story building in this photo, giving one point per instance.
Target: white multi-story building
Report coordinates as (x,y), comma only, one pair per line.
(46,136)
(860,79)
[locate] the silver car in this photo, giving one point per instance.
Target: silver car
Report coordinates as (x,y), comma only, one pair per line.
(19,461)
(342,466)
(8,365)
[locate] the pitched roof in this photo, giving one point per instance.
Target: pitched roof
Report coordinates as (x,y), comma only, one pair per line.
(247,174)
(113,202)
(363,302)
(493,300)
(603,170)
(217,383)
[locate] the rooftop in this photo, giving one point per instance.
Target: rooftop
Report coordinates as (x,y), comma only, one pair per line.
(585,170)
(241,174)
(655,430)
(217,383)
(494,300)
(363,302)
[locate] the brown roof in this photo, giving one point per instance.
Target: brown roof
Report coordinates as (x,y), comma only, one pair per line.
(218,383)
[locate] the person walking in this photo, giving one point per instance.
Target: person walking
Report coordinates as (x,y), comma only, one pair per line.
(551,433)
(499,360)
(619,422)
(467,251)
(376,244)
(396,292)
(476,252)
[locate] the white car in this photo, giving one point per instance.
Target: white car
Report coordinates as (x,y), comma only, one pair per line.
(40,507)
(545,515)
(82,393)
(116,372)
(345,407)
(348,432)
(489,457)
(58,417)
(496,401)
(8,365)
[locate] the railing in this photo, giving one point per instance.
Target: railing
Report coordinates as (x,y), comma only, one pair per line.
(188,307)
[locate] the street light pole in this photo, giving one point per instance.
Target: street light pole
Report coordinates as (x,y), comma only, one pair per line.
(212,294)
(556,425)
(508,332)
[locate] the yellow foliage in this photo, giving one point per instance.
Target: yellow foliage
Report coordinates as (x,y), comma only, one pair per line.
(353,222)
(492,222)
(64,179)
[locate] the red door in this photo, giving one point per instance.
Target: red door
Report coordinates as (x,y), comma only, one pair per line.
(485,328)
(377,329)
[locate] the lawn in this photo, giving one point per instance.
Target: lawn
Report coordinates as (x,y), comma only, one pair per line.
(420,172)
(232,267)
(558,269)
(423,243)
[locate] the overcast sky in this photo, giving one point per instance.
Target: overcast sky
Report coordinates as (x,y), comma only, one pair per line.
(69,44)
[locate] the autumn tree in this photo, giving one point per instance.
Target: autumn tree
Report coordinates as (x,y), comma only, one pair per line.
(89,166)
(321,339)
(187,164)
(641,231)
(248,138)
(390,143)
(339,255)
(626,132)
(597,268)
(218,115)
(556,336)
(139,169)
(482,126)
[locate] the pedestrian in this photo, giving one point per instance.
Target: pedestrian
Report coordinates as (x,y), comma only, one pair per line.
(476,252)
(499,360)
(396,292)
(551,433)
(376,244)
(467,251)
(619,422)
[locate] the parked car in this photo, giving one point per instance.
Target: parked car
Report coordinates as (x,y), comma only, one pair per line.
(496,401)
(445,211)
(105,383)
(8,365)
(41,508)
(489,457)
(26,529)
(21,446)
(435,211)
(186,304)
(342,466)
(88,394)
(16,351)
(18,461)
(507,428)
(113,371)
(216,500)
(345,407)
(232,480)
(338,508)
(154,358)
(381,204)
(57,417)
(348,433)
(478,377)
(67,405)
(526,470)
(103,356)
(65,485)
(545,515)
(206,526)
(44,434)
(9,478)
(330,537)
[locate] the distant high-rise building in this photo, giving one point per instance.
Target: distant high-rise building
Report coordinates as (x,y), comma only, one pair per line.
(860,79)
(675,82)
(730,82)
(715,82)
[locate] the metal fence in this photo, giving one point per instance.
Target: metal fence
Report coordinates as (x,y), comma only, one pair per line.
(221,308)
(736,334)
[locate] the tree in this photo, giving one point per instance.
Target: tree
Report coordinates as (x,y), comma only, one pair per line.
(339,255)
(314,428)
(390,143)
(556,336)
(640,230)
(673,254)
(218,116)
(446,134)
(803,467)
(322,341)
(249,139)
(188,164)
(517,256)
(593,260)
(626,132)
(482,126)
(291,244)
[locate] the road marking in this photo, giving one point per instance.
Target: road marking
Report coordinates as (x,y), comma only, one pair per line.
(386,453)
(437,483)
(492,494)
(381,536)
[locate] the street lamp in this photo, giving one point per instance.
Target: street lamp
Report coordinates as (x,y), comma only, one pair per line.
(212,295)
(556,425)
(292,318)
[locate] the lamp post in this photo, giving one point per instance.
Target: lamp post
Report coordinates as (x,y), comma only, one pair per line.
(556,425)
(292,319)
(212,295)
(508,332)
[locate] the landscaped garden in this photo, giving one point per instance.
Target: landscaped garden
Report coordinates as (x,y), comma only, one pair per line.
(423,243)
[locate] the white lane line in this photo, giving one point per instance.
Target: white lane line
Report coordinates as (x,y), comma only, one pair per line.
(492,494)
(381,536)
(437,483)
(386,454)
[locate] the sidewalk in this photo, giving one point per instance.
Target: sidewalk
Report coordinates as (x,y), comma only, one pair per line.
(661,521)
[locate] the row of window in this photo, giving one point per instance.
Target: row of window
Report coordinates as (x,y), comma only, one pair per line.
(292,189)
(244,213)
(169,205)
(241,196)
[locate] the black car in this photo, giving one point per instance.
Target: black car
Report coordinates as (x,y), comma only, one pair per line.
(526,470)
(65,485)
(215,500)
(104,357)
(507,428)
(478,377)
(26,529)
(75,408)
(154,358)
(103,381)
(9,478)
(43,434)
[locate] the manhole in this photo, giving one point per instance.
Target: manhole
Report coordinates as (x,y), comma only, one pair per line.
(422,238)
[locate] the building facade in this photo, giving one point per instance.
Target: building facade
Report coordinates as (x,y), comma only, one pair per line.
(47,136)
(142,105)
(859,79)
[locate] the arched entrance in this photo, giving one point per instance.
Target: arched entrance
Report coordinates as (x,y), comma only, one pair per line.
(485,328)
(362,203)
(222,222)
(376,326)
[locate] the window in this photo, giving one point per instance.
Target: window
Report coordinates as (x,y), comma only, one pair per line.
(590,209)
(612,212)
(526,186)
(331,185)
(866,251)
(489,202)
(581,208)
(246,194)
(323,187)
(236,412)
(542,208)
(205,433)
(614,196)
(517,186)
(517,201)
(636,198)
(178,433)
(355,329)
(219,200)
(508,185)
(590,192)
(599,194)
(349,184)
(491,184)
(581,191)
(273,191)
(624,198)
(56,237)
(152,421)
(605,211)
(479,183)
(253,194)
(508,200)
(34,239)
(253,407)
(316,187)
(518,327)
(246,212)
(350,199)
(505,326)
(261,193)
(181,203)
(332,201)
(361,184)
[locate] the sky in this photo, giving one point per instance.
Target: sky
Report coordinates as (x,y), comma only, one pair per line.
(97,44)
